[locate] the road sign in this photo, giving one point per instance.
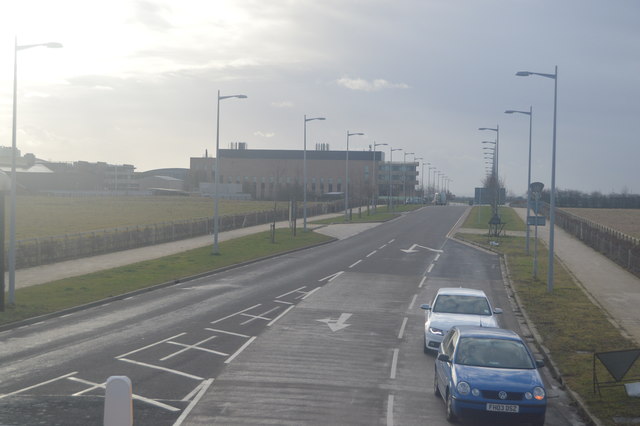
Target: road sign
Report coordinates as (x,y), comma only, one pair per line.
(536,220)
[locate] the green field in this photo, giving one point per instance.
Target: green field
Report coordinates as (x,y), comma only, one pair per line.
(45,216)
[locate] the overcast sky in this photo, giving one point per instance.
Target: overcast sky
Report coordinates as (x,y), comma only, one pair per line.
(136,82)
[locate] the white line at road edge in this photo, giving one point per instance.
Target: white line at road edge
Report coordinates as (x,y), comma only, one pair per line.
(394,363)
(390,411)
(404,324)
(242,348)
(185,413)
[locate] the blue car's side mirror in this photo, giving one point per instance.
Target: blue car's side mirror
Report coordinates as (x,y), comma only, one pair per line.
(539,363)
(444,358)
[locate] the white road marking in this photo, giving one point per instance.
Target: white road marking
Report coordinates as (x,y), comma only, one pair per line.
(187,410)
(390,411)
(338,324)
(413,300)
(430,268)
(232,315)
(394,363)
(422,282)
(280,316)
(227,332)
(404,324)
(194,346)
(150,346)
(38,385)
(259,316)
(437,257)
(331,277)
(390,241)
(242,348)
(194,391)
(382,246)
(372,253)
(355,263)
(157,367)
(292,291)
(133,395)
(284,302)
(311,292)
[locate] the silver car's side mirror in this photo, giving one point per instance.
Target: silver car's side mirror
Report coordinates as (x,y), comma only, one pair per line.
(497,310)
(425,306)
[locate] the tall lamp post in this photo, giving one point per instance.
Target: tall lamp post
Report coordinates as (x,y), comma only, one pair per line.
(5,184)
(346,184)
(12,215)
(530,114)
(552,207)
(421,174)
(304,167)
(404,176)
(374,176)
(429,182)
(390,175)
(216,217)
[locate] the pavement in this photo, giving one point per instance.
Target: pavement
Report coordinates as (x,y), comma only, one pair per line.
(613,288)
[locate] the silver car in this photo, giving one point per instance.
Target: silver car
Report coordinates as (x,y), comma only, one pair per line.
(456,306)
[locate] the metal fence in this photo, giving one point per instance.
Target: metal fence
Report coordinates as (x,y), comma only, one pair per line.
(40,251)
(621,248)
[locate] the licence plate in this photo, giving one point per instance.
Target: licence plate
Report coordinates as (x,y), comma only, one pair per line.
(503,408)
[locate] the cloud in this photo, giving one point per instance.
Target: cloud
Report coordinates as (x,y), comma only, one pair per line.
(263,134)
(369,86)
(282,104)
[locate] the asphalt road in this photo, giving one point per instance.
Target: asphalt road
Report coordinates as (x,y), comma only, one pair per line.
(327,335)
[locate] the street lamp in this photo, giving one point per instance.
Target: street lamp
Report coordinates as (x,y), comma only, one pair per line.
(429,181)
(5,183)
(374,176)
(497,175)
(216,218)
(530,114)
(12,213)
(390,168)
(346,184)
(404,176)
(304,167)
(552,207)
(421,175)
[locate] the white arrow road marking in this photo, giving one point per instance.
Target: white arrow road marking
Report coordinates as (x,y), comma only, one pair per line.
(338,324)
(331,277)
(412,249)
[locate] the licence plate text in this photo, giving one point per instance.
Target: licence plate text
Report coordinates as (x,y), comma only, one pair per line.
(503,408)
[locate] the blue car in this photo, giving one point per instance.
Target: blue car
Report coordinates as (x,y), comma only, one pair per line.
(489,373)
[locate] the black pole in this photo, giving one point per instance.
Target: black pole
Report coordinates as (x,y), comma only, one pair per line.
(2,193)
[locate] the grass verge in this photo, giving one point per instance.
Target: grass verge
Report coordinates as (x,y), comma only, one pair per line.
(571,326)
(62,294)
(479,218)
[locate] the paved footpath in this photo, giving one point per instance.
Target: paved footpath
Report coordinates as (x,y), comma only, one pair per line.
(615,289)
(72,268)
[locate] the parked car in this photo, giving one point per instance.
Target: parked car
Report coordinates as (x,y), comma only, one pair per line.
(456,306)
(489,374)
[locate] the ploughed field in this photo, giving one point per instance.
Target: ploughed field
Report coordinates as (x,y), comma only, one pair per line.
(45,216)
(626,221)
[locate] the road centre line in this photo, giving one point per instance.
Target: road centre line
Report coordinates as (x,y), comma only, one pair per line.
(242,348)
(394,363)
(204,386)
(404,324)
(259,316)
(355,263)
(422,282)
(390,410)
(133,395)
(227,332)
(430,268)
(292,291)
(237,313)
(311,292)
(382,246)
(390,241)
(372,253)
(150,346)
(284,302)
(38,385)
(413,300)
(437,257)
(194,346)
(280,316)
(157,367)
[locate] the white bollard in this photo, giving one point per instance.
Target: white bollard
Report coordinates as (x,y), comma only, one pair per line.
(118,407)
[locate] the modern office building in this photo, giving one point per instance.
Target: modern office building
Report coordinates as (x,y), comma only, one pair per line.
(279,174)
